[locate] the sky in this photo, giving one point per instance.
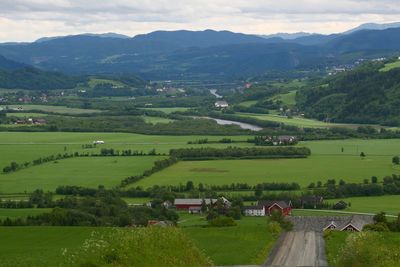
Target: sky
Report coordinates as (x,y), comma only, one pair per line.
(28,20)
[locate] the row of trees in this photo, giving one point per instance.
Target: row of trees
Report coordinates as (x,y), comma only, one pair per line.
(237,152)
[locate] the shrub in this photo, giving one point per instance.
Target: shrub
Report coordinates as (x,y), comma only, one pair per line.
(153,246)
(222,221)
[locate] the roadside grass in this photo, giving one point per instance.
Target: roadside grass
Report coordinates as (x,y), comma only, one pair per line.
(389,204)
(55,109)
(86,172)
(335,244)
(302,171)
(20,213)
(247,243)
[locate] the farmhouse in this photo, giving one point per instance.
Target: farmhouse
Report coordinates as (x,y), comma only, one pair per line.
(353,223)
(193,205)
(264,208)
(221,104)
(254,210)
(98,142)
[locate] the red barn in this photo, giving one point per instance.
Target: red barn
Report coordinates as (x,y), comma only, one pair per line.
(192,204)
(284,207)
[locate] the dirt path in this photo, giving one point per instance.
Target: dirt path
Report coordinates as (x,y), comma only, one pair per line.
(298,249)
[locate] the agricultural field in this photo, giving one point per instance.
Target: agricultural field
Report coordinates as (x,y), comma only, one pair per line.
(168,110)
(155,120)
(247,243)
(26,115)
(389,204)
(248,103)
(287,98)
(391,66)
(303,171)
(95,81)
(87,172)
(296,121)
(54,109)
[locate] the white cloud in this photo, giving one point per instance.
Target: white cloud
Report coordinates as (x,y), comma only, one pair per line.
(26,20)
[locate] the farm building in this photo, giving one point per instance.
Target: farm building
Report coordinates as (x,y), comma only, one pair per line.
(254,211)
(221,104)
(264,208)
(193,205)
(353,223)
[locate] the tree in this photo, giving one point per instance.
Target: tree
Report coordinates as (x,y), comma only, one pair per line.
(374,179)
(396,160)
(362,155)
(203,206)
(189,186)
(380,218)
(258,192)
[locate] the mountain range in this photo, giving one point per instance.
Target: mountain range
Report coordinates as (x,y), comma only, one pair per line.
(202,54)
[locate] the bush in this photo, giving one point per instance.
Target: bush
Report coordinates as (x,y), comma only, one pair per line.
(222,221)
(153,246)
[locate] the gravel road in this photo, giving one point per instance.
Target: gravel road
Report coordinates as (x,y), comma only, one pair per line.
(298,249)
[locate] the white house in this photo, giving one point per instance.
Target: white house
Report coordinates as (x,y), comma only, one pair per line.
(98,142)
(254,210)
(221,104)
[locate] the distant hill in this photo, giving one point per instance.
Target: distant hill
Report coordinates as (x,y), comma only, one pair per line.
(287,36)
(364,95)
(374,26)
(6,64)
(101,35)
(200,54)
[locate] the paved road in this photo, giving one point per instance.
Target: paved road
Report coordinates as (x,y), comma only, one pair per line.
(298,249)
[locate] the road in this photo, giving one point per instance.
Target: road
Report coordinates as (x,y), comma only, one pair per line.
(298,249)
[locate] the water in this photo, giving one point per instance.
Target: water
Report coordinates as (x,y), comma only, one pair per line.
(242,125)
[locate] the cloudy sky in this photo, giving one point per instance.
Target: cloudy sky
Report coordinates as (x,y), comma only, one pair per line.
(27,20)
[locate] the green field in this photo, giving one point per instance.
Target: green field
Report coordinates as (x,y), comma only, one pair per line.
(296,121)
(40,246)
(26,115)
(303,171)
(248,103)
(87,172)
(388,204)
(287,99)
(391,66)
(247,243)
(155,120)
(168,110)
(95,81)
(55,109)
(20,213)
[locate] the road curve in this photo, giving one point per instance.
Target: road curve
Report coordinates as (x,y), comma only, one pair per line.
(298,249)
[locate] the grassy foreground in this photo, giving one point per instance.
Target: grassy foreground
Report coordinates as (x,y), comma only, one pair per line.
(247,243)
(80,246)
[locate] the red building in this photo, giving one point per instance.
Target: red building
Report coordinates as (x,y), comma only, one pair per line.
(193,205)
(284,207)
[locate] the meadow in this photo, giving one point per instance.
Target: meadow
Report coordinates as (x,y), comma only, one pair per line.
(86,172)
(54,109)
(168,110)
(390,66)
(303,171)
(247,243)
(20,213)
(40,246)
(389,204)
(155,120)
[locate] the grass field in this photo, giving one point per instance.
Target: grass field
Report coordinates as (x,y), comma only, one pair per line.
(247,243)
(155,120)
(55,109)
(303,171)
(87,172)
(288,98)
(95,81)
(296,121)
(388,204)
(26,115)
(20,213)
(40,246)
(391,66)
(168,110)
(248,103)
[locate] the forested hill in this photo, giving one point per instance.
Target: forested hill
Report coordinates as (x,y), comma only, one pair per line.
(364,95)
